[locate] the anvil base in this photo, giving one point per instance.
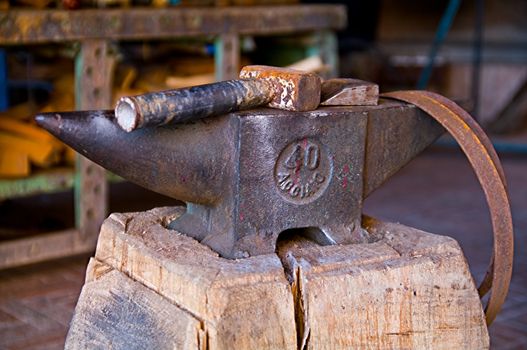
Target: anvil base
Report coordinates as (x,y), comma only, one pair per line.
(149,287)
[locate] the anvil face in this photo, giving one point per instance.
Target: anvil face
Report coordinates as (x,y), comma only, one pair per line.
(300,170)
(292,170)
(248,176)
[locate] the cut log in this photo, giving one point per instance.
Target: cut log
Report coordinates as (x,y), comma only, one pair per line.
(408,290)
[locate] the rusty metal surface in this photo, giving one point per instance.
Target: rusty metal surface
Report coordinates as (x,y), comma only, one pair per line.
(248,176)
(487,167)
(349,92)
(197,102)
(40,26)
(293,90)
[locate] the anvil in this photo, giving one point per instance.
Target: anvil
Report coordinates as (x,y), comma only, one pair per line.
(248,176)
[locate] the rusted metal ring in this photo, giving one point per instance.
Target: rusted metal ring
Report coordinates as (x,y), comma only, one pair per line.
(485,162)
(486,283)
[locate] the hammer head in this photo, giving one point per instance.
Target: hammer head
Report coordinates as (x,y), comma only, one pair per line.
(294,90)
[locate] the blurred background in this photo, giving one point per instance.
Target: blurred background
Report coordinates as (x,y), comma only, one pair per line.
(59,55)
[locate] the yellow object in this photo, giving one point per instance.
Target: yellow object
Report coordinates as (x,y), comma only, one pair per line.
(39,153)
(20,111)
(70,156)
(13,163)
(27,130)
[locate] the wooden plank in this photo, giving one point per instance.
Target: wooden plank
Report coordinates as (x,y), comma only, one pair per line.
(44,247)
(499,83)
(31,26)
(244,304)
(115,312)
(41,182)
(514,115)
(174,82)
(312,64)
(504,25)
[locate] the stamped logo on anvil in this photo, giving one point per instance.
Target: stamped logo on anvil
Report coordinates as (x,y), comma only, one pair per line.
(303,171)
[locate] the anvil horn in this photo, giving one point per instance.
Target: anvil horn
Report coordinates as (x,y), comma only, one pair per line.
(175,161)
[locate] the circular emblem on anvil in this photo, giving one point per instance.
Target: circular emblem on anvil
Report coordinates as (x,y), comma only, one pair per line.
(303,171)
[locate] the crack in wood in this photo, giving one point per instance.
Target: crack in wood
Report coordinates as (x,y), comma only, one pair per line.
(294,274)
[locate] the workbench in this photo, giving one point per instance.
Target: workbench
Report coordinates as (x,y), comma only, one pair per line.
(94,30)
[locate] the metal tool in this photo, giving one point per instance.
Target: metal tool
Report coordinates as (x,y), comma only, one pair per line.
(248,176)
(347,92)
(275,87)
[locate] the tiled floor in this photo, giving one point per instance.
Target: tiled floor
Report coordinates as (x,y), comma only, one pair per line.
(437,192)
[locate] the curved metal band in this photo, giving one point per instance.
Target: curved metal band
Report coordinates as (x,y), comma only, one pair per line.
(484,160)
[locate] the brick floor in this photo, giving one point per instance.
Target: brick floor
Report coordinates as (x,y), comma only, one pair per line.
(438,193)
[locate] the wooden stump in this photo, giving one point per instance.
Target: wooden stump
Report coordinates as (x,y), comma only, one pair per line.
(149,287)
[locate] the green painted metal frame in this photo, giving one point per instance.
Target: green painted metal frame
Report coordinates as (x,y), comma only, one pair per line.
(42,182)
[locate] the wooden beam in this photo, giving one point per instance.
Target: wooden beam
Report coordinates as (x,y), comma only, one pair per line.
(44,247)
(39,26)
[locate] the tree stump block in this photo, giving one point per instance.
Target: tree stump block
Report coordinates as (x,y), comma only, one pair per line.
(150,287)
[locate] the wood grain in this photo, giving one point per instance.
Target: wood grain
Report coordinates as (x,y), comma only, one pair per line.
(408,290)
(118,313)
(243,303)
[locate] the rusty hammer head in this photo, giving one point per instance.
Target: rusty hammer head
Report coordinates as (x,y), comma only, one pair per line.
(293,90)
